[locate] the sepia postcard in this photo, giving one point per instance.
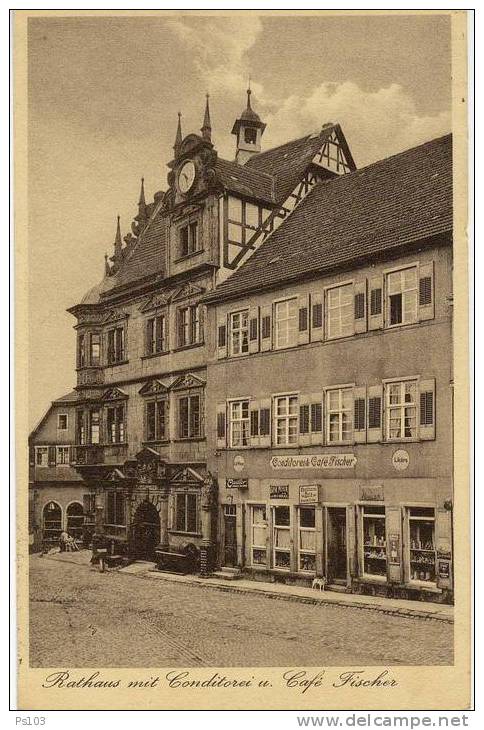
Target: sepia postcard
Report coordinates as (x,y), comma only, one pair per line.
(242,403)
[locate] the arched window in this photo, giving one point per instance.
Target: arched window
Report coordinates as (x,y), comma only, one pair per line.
(51,522)
(75,520)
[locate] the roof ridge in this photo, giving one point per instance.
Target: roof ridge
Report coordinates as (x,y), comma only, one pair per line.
(285,144)
(244,167)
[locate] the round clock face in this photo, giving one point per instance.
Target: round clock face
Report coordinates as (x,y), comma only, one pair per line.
(186,176)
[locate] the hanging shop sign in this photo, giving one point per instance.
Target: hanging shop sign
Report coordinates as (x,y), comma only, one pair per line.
(239,462)
(314,461)
(237,483)
(309,494)
(400,460)
(279,491)
(372,494)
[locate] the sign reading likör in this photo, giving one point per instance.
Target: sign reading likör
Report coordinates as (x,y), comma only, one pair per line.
(314,461)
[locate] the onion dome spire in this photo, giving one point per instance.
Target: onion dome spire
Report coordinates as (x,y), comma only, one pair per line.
(178,138)
(206,129)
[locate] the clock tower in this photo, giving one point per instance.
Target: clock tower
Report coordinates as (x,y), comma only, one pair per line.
(248,129)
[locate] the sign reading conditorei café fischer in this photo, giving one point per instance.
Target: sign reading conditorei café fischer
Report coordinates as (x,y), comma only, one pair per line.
(314,461)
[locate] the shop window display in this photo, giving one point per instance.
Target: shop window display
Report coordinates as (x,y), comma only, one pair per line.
(374,542)
(422,544)
(282,538)
(307,539)
(259,535)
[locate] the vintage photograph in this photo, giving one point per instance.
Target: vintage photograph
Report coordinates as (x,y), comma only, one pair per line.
(240,340)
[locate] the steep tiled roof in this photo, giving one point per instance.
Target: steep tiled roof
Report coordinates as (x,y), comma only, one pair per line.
(148,255)
(402,199)
(244,180)
(68,397)
(288,162)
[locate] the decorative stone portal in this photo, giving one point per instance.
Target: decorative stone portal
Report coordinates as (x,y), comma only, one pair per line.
(145,531)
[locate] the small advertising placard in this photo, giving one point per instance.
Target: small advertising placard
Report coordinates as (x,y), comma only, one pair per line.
(372,494)
(279,491)
(309,494)
(237,483)
(394,549)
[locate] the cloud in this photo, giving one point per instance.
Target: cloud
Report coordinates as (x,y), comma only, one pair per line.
(376,123)
(219,48)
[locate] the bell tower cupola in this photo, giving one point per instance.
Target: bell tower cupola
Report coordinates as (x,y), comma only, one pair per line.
(248,129)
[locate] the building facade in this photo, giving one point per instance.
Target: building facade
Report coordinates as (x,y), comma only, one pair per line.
(264,373)
(330,387)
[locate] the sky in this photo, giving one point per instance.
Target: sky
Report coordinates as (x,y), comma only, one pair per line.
(103,98)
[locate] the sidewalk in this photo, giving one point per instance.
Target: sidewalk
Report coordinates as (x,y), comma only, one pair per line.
(278,591)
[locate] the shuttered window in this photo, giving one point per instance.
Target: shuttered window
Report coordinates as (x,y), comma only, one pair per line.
(254,423)
(264,421)
(220,425)
(425,291)
(222,335)
(359,414)
(304,419)
(427,408)
(359,305)
(266,327)
(253,329)
(318,315)
(374,412)
(375,302)
(303,319)
(316,417)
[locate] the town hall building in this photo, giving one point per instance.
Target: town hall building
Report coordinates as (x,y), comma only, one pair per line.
(264,373)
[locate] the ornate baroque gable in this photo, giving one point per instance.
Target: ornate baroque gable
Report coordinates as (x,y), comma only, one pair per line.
(187,381)
(187,476)
(155,302)
(115,315)
(113,394)
(186,291)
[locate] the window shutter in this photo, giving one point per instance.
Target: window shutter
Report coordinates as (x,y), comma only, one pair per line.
(427,409)
(316,419)
(254,423)
(266,328)
(265,422)
(394,530)
(221,336)
(359,291)
(31,456)
(72,454)
(304,424)
(171,511)
(303,327)
(359,425)
(426,291)
(221,426)
(316,317)
(254,329)
(443,545)
(201,322)
(51,456)
(375,413)
(375,314)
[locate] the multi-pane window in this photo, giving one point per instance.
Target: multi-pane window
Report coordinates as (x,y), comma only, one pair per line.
(286,419)
(62,456)
(421,524)
(239,423)
(339,311)
(156,420)
(115,424)
(41,456)
(307,539)
(156,335)
(189,329)
(62,421)
(81,428)
(258,534)
(115,345)
(189,242)
(339,415)
(286,322)
(115,509)
(189,417)
(239,332)
(81,351)
(374,541)
(282,537)
(94,426)
(401,410)
(185,512)
(95,349)
(402,302)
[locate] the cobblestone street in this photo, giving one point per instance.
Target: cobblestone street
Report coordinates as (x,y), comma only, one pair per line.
(82,618)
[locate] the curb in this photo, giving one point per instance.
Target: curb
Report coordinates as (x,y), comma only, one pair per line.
(294,597)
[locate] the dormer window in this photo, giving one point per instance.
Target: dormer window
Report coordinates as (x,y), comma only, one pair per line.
(189,239)
(250,135)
